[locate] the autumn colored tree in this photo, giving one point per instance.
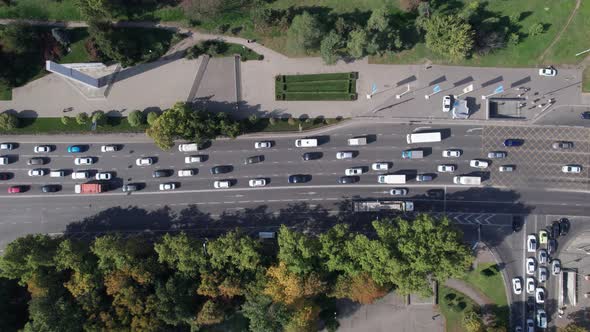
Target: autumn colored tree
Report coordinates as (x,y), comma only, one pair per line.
(288,287)
(360,288)
(304,318)
(210,313)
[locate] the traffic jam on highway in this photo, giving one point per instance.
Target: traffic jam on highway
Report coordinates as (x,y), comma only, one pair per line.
(540,249)
(90,181)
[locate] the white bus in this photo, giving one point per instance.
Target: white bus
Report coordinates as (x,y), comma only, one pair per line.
(424,137)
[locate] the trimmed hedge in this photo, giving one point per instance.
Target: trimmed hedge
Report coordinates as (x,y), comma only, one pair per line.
(317,77)
(334,86)
(317,96)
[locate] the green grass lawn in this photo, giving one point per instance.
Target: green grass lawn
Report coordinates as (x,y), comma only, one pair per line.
(78,53)
(573,40)
(586,80)
(551,13)
(55,126)
(452,305)
(492,286)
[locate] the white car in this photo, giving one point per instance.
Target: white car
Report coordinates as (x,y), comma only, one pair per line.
(103,176)
(478,163)
(221,184)
(398,192)
(42,148)
(571,169)
(36,172)
(380,166)
(517,286)
(186,172)
(530,325)
(496,154)
(541,318)
(108,148)
(344,155)
(531,266)
(447,102)
(555,267)
(257,182)
(84,161)
(540,295)
(543,257)
(446,168)
(6,146)
(167,186)
(451,153)
(193,159)
(262,145)
(531,243)
(506,168)
(144,161)
(530,285)
(543,274)
(548,71)
(353,171)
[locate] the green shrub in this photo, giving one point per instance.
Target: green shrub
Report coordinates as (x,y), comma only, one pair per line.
(8,121)
(272,121)
(135,118)
(99,117)
(151,117)
(82,118)
(253,119)
(66,120)
(292,121)
(536,29)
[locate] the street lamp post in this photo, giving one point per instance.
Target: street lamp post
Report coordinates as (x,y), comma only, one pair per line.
(499,89)
(403,93)
(435,90)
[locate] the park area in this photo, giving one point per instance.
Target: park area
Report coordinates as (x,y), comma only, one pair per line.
(316,87)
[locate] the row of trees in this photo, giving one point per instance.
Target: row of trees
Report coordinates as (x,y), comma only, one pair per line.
(176,281)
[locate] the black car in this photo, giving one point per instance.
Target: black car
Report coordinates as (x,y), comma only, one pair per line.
(4,176)
(435,193)
(564,226)
(530,304)
(586,115)
(221,169)
(254,160)
(348,179)
(551,246)
(311,156)
(162,173)
(555,229)
(298,178)
(36,161)
(516,223)
(130,187)
(50,188)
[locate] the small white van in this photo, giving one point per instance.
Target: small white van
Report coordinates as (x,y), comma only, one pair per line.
(188,147)
(306,143)
(78,175)
(57,174)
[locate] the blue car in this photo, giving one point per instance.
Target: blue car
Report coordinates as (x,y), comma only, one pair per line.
(586,115)
(513,142)
(74,148)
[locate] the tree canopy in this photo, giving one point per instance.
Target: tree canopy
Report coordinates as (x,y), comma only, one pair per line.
(305,34)
(449,36)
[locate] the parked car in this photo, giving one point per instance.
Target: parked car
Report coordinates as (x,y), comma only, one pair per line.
(555,229)
(146,161)
(555,267)
(540,295)
(194,159)
(531,266)
(452,153)
(253,160)
(446,168)
(574,169)
(167,186)
(531,243)
(348,179)
(530,304)
(263,145)
(564,226)
(517,286)
(6,146)
(108,148)
(542,256)
(542,274)
(84,161)
(37,172)
(506,168)
(42,148)
(541,318)
(478,163)
(551,246)
(344,155)
(221,169)
(257,182)
(547,71)
(398,192)
(104,176)
(513,142)
(543,236)
(530,285)
(423,177)
(353,171)
(447,103)
(380,166)
(530,324)
(562,145)
(74,148)
(496,154)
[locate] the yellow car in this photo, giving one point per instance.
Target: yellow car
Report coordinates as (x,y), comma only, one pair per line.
(543,236)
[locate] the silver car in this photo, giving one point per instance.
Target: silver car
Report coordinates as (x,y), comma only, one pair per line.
(423,177)
(344,155)
(398,192)
(496,154)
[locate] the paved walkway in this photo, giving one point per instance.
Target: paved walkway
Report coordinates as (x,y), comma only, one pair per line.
(478,297)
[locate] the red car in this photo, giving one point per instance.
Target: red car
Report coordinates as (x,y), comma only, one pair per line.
(14,189)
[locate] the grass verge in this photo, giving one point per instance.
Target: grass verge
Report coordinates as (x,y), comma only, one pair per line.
(586,80)
(55,126)
(452,305)
(488,279)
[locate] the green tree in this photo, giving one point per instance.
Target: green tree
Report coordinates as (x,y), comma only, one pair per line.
(264,314)
(210,313)
(18,38)
(379,20)
(329,47)
(25,255)
(536,29)
(151,117)
(357,42)
(13,305)
(299,252)
(424,247)
(66,120)
(304,34)
(180,253)
(177,303)
(95,9)
(99,117)
(449,37)
(8,121)
(82,118)
(135,118)
(204,9)
(472,322)
(48,313)
(572,327)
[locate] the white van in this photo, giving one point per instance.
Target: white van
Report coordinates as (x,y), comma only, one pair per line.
(57,174)
(222,184)
(188,147)
(186,172)
(306,143)
(78,175)
(424,137)
(357,141)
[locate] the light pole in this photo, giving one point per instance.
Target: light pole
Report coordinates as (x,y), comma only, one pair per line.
(586,51)
(499,89)
(435,90)
(373,91)
(403,93)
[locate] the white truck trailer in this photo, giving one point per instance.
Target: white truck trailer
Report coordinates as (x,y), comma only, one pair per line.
(467,180)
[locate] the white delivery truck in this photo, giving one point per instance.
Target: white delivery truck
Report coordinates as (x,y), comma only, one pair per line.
(392,179)
(424,137)
(357,141)
(188,147)
(306,143)
(467,180)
